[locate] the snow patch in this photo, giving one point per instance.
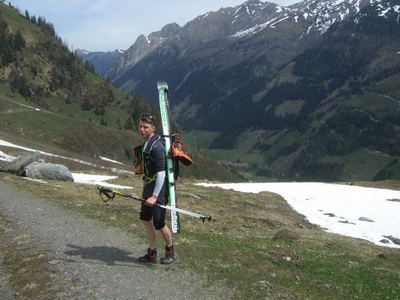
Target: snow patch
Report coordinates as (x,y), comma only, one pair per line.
(110,160)
(7,144)
(97,180)
(340,209)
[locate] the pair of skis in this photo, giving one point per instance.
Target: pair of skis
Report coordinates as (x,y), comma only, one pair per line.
(165,120)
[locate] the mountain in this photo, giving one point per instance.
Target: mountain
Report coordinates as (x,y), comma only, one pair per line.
(101,61)
(230,48)
(301,92)
(50,99)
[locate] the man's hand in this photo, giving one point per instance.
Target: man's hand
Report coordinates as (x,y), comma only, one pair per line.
(150,201)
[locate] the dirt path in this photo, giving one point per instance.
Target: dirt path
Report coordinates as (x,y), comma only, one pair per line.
(91,260)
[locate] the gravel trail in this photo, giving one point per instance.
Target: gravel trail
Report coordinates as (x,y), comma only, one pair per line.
(94,261)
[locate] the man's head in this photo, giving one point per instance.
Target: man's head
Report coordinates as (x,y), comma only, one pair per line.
(147,126)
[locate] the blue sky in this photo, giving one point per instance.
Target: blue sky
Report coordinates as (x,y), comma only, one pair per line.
(104,25)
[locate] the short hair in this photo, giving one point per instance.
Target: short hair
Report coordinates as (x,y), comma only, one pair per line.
(148,118)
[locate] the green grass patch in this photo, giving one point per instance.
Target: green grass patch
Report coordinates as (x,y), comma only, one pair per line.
(15,21)
(361,162)
(379,104)
(200,139)
(389,86)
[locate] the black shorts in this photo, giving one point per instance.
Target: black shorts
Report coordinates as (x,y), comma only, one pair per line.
(155,213)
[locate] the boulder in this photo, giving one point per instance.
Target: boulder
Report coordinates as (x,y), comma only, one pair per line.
(393,239)
(41,170)
(18,165)
(365,219)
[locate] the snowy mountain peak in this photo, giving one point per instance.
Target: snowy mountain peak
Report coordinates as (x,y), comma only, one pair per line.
(318,14)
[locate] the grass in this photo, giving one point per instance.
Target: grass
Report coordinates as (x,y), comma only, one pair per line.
(361,162)
(201,139)
(28,268)
(389,86)
(238,155)
(29,30)
(374,102)
(240,247)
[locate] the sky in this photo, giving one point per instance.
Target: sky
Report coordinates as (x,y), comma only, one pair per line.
(106,25)
(358,212)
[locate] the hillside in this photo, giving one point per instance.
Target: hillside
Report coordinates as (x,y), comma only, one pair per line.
(303,92)
(50,98)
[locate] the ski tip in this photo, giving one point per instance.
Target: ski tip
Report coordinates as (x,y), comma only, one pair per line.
(161,84)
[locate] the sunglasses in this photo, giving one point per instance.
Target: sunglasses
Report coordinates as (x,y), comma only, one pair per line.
(147,118)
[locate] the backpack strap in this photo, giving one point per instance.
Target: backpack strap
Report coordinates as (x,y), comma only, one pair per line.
(148,150)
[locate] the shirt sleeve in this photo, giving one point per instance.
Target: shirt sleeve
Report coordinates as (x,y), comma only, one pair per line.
(159,183)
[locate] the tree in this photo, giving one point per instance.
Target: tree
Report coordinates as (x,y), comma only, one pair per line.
(129,124)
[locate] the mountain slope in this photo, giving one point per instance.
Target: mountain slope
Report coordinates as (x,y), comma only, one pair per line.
(101,61)
(228,56)
(294,82)
(49,99)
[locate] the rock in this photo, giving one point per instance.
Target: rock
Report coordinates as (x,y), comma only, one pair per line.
(347,222)
(330,215)
(393,239)
(17,165)
(286,234)
(365,219)
(38,170)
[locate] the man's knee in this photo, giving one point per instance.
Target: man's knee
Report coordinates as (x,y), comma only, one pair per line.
(159,224)
(145,216)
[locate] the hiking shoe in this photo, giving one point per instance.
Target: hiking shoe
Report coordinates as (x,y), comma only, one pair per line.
(150,257)
(170,255)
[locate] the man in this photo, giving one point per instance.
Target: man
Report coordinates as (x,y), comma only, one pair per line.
(155,191)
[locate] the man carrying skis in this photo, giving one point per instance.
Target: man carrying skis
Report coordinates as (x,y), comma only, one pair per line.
(155,190)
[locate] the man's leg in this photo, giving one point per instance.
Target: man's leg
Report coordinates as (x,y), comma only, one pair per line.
(170,253)
(151,233)
(167,236)
(151,256)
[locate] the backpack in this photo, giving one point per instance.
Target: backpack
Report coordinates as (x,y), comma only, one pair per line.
(178,153)
(137,159)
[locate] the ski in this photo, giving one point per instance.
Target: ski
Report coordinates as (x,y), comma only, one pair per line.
(165,120)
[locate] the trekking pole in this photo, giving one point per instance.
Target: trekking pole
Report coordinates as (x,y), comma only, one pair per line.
(110,194)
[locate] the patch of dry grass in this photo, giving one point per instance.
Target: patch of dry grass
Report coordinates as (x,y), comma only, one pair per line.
(27,267)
